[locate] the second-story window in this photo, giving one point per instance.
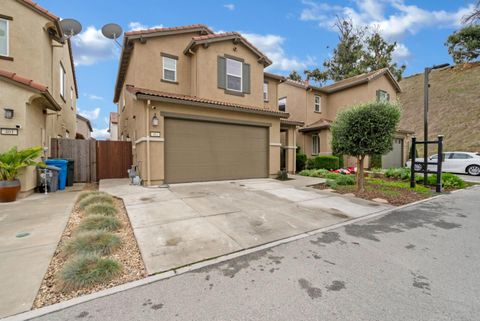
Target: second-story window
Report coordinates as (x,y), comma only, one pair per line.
(3,37)
(169,69)
(282,104)
(234,75)
(318,104)
(265,90)
(63,77)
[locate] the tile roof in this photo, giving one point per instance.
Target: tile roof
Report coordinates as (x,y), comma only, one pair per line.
(291,122)
(210,102)
(179,28)
(319,124)
(40,9)
(86,120)
(274,76)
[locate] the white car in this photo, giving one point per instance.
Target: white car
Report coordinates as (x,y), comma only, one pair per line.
(454,162)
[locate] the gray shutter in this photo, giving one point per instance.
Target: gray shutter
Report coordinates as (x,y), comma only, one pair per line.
(222,72)
(246,78)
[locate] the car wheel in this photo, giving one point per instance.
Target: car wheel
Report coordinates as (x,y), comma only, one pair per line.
(418,167)
(473,170)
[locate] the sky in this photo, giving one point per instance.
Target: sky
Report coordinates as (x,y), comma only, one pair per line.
(294,34)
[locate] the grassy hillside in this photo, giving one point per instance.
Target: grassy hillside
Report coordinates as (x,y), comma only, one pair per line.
(454,106)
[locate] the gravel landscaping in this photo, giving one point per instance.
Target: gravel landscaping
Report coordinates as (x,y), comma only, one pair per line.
(127,256)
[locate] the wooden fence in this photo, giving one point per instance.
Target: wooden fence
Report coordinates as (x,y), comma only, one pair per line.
(94,160)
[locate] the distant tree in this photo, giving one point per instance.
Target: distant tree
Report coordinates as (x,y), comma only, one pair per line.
(363,130)
(347,56)
(474,16)
(464,44)
(294,75)
(318,76)
(378,54)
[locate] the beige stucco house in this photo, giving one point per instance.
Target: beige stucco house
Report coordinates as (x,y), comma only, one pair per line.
(113,126)
(317,107)
(37,80)
(198,106)
(84,128)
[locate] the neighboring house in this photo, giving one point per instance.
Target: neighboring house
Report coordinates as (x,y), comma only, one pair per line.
(197,106)
(37,80)
(317,107)
(113,126)
(84,128)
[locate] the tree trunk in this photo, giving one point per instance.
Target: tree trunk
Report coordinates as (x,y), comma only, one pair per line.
(360,174)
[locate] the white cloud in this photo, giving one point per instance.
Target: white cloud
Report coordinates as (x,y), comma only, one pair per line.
(91,115)
(229,6)
(135,25)
(401,52)
(100,133)
(90,47)
(271,45)
(93,97)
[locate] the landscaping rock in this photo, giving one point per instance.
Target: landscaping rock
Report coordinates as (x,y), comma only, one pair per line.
(380,200)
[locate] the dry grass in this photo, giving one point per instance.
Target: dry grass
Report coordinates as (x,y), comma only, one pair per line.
(454,109)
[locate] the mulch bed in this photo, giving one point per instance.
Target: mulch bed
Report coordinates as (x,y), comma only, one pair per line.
(128,255)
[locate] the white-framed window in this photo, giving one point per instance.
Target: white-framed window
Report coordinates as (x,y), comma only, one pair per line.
(234,75)
(169,69)
(315,144)
(265,90)
(318,103)
(382,95)
(282,104)
(4,37)
(63,77)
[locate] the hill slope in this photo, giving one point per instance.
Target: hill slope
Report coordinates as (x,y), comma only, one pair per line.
(454,109)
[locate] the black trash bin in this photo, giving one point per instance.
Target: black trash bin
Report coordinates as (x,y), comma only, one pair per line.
(70,171)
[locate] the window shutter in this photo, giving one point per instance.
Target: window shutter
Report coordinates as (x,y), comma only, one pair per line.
(222,72)
(246,78)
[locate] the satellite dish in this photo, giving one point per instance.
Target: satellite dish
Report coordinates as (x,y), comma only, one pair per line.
(112,31)
(70,27)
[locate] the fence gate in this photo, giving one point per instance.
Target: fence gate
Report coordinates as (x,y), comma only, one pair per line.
(83,152)
(114,158)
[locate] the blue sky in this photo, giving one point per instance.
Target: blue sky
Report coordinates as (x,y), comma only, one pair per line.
(295,34)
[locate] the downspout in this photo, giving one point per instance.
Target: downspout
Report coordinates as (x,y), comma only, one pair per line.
(147,123)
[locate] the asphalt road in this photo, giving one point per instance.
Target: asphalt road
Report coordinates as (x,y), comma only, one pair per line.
(417,263)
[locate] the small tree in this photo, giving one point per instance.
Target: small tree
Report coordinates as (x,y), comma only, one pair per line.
(363,130)
(464,44)
(294,75)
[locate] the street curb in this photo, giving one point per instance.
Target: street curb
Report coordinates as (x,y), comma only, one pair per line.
(198,265)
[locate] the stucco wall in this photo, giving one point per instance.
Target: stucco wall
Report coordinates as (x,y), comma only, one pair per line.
(83,129)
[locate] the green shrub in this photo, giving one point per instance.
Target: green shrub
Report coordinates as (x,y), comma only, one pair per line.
(301,161)
(376,161)
(282,175)
(326,162)
(345,180)
(88,270)
(323,173)
(448,180)
(93,242)
(85,194)
(310,163)
(402,173)
(331,183)
(340,161)
(100,222)
(95,198)
(100,209)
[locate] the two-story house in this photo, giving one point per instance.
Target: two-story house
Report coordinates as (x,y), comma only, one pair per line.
(317,107)
(38,90)
(198,106)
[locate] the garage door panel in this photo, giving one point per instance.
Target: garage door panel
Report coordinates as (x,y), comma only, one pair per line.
(202,151)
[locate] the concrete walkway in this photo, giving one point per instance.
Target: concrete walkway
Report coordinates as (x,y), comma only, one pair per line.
(30,230)
(187,223)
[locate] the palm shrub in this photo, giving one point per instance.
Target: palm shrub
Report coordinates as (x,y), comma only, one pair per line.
(93,242)
(95,198)
(101,209)
(87,270)
(13,160)
(100,222)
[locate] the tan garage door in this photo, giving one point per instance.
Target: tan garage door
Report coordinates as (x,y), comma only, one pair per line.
(206,151)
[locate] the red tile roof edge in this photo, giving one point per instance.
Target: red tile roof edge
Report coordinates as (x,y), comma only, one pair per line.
(23,80)
(39,8)
(163,29)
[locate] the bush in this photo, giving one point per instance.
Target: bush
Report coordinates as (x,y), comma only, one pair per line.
(331,183)
(87,270)
(448,180)
(402,173)
(301,161)
(100,222)
(100,209)
(340,161)
(95,198)
(93,242)
(323,162)
(345,180)
(85,194)
(282,175)
(376,161)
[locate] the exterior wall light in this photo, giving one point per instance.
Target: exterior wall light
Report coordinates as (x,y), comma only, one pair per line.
(155,120)
(8,113)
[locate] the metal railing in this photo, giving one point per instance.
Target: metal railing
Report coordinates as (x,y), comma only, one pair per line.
(425,163)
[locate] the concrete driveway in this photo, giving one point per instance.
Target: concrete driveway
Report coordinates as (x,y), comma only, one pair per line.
(187,223)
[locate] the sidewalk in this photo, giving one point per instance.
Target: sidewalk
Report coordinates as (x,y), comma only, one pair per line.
(30,230)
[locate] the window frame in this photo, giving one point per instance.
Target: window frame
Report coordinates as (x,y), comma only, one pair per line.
(315,144)
(265,91)
(319,104)
(233,75)
(63,81)
(279,100)
(7,32)
(169,69)
(379,95)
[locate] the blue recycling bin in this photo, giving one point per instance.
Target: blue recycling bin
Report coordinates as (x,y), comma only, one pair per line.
(62,175)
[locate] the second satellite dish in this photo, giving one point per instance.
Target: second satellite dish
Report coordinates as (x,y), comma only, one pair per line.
(112,31)
(70,27)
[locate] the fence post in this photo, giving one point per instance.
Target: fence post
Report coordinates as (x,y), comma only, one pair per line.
(439,164)
(412,167)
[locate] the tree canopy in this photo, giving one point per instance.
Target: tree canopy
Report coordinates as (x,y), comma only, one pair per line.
(294,75)
(464,44)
